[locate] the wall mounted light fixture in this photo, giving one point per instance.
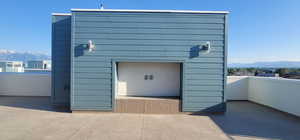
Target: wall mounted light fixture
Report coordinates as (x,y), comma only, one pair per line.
(91,46)
(205,48)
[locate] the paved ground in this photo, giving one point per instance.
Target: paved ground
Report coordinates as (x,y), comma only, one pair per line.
(33,119)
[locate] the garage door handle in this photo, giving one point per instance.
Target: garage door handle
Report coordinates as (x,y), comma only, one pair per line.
(148,77)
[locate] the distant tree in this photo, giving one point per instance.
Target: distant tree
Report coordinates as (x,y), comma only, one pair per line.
(282,71)
(231,71)
(256,73)
(251,70)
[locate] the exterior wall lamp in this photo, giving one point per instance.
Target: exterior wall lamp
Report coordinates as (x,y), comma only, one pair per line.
(205,48)
(91,46)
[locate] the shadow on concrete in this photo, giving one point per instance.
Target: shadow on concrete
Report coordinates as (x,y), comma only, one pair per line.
(249,120)
(34,103)
(216,109)
(242,120)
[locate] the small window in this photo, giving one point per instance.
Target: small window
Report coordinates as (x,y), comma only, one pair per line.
(145,77)
(150,77)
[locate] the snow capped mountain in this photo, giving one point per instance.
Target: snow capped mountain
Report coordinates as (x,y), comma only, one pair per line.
(11,55)
(2,51)
(275,64)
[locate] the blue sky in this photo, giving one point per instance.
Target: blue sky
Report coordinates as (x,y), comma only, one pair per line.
(259,30)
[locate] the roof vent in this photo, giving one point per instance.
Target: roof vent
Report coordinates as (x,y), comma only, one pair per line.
(101,5)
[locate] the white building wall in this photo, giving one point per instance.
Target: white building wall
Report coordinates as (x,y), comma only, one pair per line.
(24,84)
(237,88)
(279,93)
(18,69)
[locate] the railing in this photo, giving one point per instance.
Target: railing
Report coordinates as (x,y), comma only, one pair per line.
(25,84)
(279,93)
(237,88)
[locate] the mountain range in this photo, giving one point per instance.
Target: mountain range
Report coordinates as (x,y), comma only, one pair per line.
(9,55)
(275,64)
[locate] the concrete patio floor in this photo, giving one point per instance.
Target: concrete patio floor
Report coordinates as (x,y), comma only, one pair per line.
(33,118)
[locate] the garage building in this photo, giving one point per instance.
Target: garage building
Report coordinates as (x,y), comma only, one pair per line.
(101,56)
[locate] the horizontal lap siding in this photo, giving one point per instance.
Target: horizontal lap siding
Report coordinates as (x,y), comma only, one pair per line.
(61,42)
(147,36)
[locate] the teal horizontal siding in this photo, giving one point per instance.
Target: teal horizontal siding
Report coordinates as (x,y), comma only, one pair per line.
(204,87)
(92,75)
(93,70)
(93,82)
(82,92)
(144,37)
(204,65)
(61,46)
(93,64)
(104,103)
(149,31)
(148,48)
(149,42)
(92,87)
(195,105)
(201,59)
(149,54)
(199,93)
(205,71)
(203,77)
(147,37)
(203,99)
(76,107)
(173,26)
(98,98)
(203,82)
(149,20)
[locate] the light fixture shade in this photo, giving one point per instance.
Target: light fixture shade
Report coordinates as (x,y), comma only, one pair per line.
(205,48)
(91,46)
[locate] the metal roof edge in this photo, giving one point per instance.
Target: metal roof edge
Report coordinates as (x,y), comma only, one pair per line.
(150,11)
(61,14)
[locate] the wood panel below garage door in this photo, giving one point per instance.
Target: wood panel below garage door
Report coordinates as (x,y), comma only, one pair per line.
(148,105)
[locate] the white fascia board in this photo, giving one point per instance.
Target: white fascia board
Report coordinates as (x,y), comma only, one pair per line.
(150,11)
(61,14)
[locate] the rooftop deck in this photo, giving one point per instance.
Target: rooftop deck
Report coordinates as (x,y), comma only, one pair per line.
(34,118)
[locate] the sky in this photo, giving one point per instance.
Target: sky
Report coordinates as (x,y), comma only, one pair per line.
(259,30)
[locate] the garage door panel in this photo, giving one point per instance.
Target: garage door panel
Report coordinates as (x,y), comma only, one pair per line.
(165,79)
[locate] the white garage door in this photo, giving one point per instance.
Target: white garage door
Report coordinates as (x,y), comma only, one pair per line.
(148,79)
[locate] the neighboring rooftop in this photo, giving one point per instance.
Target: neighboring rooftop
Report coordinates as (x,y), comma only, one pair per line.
(243,120)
